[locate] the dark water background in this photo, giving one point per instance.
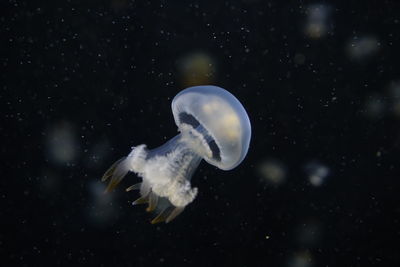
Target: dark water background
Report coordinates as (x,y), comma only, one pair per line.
(83,81)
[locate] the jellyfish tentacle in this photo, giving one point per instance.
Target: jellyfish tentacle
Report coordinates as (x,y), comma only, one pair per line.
(134,187)
(153,200)
(143,199)
(162,216)
(140,200)
(117,173)
(174,214)
(111,170)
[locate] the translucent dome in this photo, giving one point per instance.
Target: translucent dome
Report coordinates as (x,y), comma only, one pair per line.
(223,118)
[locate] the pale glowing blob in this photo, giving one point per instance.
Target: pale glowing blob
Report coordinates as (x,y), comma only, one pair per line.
(317,173)
(272,171)
(213,126)
(316,25)
(62,143)
(301,259)
(100,210)
(361,48)
(196,68)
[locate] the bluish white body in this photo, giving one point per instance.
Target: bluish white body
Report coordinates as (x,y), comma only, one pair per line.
(213,126)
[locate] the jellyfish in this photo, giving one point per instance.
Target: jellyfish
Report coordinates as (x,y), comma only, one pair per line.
(213,125)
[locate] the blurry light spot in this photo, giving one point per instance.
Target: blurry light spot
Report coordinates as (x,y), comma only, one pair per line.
(272,172)
(316,25)
(315,30)
(301,259)
(61,144)
(196,69)
(363,47)
(100,211)
(317,173)
(97,192)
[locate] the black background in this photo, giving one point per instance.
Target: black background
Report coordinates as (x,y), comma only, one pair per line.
(106,72)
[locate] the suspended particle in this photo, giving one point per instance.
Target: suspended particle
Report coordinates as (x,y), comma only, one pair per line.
(62,145)
(317,173)
(316,25)
(272,171)
(362,48)
(196,69)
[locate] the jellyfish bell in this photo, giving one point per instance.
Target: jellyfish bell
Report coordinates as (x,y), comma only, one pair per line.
(213,126)
(219,118)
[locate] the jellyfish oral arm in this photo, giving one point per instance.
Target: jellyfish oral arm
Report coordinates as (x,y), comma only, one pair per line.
(166,172)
